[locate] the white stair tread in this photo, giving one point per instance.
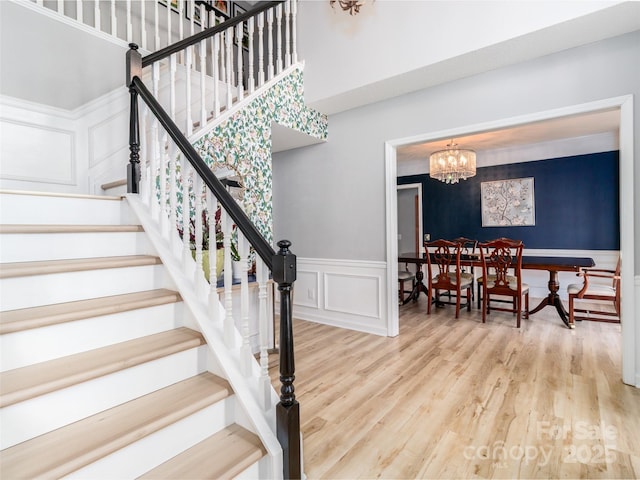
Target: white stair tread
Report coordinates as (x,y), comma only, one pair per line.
(17,228)
(74,446)
(62,195)
(36,317)
(21,269)
(221,456)
(28,382)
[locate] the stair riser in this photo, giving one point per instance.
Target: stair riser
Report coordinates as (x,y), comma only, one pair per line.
(42,414)
(37,345)
(47,210)
(157,448)
(57,246)
(36,290)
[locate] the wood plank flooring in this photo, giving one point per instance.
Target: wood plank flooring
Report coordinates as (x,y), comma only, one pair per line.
(458,399)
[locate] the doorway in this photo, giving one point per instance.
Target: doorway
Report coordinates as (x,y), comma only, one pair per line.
(409,213)
(624,105)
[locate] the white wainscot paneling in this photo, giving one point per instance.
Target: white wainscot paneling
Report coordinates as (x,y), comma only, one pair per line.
(108,138)
(36,153)
(343,293)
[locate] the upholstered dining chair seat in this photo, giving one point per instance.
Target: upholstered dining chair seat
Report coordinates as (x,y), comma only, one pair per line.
(574,288)
(406,275)
(464,275)
(465,279)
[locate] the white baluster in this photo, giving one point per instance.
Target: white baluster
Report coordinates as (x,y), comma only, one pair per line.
(250,27)
(287,33)
(143,24)
(189,129)
(203,85)
(223,62)
(61,7)
(155,79)
(192,18)
(144,153)
(173,193)
(129,25)
(215,73)
(229,41)
(186,213)
(172,86)
(246,357)
(294,29)
(169,28)
(229,327)
(164,163)
(260,49)
(114,20)
(214,300)
(197,192)
(240,37)
(79,11)
(40,2)
(156,19)
(96,15)
(180,17)
(279,43)
(264,325)
(270,69)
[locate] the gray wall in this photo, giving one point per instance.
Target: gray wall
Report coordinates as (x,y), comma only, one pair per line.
(329,199)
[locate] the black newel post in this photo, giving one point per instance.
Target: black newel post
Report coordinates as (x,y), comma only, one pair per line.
(134,69)
(288,409)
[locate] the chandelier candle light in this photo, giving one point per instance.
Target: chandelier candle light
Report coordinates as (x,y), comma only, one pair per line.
(452,164)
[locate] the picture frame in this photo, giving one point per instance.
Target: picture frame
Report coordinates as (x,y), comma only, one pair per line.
(508,203)
(197,14)
(221,7)
(238,10)
(174,5)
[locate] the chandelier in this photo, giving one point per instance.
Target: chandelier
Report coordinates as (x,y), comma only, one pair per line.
(351,6)
(452,164)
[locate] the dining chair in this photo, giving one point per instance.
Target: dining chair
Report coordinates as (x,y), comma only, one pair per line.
(405,275)
(502,275)
(444,273)
(594,291)
(468,251)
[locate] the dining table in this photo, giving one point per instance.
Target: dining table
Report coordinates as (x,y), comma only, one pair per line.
(529,262)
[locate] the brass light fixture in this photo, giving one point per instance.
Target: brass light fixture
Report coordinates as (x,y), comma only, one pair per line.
(351,6)
(453,164)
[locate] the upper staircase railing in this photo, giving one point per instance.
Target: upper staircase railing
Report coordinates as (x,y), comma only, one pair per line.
(183,193)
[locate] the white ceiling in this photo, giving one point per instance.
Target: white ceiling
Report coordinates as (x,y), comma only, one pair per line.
(561,128)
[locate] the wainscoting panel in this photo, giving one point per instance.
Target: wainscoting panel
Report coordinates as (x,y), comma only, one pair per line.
(22,157)
(342,293)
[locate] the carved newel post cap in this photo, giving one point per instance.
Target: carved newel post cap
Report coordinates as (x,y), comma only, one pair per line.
(133,46)
(284,246)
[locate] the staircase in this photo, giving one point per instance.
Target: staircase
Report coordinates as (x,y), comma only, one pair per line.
(104,373)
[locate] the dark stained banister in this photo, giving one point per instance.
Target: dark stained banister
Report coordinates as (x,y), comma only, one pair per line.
(282,264)
(209,32)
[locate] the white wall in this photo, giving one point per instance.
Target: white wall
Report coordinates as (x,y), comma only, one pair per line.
(352,56)
(348,172)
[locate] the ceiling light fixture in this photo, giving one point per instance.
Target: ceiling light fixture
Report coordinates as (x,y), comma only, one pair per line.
(452,164)
(351,6)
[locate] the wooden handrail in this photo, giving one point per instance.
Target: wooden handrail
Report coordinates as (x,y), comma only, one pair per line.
(209,32)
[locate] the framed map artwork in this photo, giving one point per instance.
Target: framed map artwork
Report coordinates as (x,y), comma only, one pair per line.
(508,203)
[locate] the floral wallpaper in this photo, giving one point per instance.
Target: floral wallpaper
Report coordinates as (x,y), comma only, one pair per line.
(243,143)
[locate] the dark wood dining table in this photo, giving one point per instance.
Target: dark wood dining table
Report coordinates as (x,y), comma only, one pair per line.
(530,262)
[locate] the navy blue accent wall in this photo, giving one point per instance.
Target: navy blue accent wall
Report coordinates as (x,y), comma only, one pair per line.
(576,203)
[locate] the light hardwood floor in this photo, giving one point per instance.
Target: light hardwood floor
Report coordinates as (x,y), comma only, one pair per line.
(458,399)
